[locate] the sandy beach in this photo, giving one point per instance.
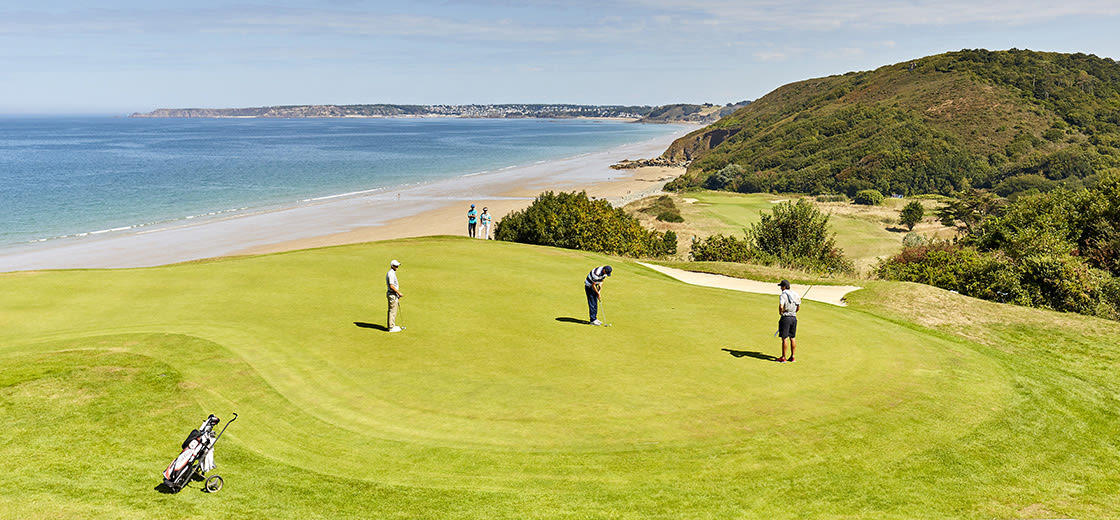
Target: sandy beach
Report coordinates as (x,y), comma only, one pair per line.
(437,208)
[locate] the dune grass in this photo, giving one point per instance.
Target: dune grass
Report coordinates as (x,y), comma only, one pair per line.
(495,402)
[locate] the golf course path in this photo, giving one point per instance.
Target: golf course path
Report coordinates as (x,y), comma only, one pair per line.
(833,294)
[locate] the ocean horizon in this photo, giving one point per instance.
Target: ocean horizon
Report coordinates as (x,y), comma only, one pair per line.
(67,177)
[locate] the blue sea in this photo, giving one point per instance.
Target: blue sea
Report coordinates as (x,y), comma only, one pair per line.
(74,176)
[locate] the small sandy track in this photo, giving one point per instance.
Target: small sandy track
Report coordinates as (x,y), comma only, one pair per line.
(831,294)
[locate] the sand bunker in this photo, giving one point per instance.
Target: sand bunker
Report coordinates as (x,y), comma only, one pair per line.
(831,294)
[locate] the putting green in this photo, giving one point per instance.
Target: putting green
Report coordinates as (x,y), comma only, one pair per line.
(494,386)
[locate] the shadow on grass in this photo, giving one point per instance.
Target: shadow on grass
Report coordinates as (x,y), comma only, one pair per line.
(162,488)
(566,319)
(756,355)
(365,325)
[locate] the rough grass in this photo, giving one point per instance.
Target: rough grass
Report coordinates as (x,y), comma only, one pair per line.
(865,233)
(496,403)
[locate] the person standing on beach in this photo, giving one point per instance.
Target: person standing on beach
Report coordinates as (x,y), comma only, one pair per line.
(592,287)
(393,293)
(788,305)
(485,219)
(472,221)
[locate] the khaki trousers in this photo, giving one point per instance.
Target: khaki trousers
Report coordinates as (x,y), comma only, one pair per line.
(394,305)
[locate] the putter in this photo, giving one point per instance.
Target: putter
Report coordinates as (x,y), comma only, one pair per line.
(400,313)
(602,311)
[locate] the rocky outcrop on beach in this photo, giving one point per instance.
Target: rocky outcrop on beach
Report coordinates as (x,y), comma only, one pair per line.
(663,162)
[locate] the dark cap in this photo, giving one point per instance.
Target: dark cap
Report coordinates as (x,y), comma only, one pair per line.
(607,270)
(784,284)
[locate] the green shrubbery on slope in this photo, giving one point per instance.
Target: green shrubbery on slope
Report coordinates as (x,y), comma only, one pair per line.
(995,118)
(1058,250)
(573,221)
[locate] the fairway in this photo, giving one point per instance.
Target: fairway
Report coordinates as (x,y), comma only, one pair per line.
(860,232)
(495,402)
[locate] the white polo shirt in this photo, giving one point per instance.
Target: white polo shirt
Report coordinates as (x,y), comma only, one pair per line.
(391,280)
(789,301)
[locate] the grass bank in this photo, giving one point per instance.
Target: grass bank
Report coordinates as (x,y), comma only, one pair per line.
(496,402)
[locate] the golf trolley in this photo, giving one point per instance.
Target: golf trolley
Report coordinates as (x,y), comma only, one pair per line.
(197,458)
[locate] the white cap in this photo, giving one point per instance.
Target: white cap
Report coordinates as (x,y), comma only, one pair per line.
(394,263)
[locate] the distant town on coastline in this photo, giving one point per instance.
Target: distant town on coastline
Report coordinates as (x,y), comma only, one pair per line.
(676,113)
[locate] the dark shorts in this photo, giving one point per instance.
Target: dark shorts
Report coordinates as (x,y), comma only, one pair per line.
(787,327)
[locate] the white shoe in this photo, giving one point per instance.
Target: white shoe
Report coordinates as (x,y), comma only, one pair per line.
(395,329)
(596,323)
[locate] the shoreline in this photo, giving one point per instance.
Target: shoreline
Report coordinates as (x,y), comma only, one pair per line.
(433,208)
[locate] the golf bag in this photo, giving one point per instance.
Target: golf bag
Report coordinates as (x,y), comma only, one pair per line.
(197,457)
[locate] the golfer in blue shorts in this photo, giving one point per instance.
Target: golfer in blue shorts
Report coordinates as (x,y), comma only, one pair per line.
(788,305)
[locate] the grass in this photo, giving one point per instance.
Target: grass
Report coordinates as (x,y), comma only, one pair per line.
(494,403)
(865,233)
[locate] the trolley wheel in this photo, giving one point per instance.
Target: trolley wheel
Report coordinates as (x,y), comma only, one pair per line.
(214,483)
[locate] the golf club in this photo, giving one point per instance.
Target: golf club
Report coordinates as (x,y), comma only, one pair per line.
(603,313)
(400,312)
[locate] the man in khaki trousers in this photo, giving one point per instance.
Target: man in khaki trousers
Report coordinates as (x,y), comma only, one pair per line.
(393,293)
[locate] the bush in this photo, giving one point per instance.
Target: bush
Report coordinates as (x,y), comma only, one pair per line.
(868,197)
(724,177)
(721,248)
(573,221)
(911,214)
(956,268)
(1059,282)
(664,209)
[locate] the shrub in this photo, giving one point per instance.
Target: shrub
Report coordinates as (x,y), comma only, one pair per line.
(962,269)
(1059,282)
(664,209)
(573,221)
(669,241)
(724,177)
(721,248)
(911,214)
(868,197)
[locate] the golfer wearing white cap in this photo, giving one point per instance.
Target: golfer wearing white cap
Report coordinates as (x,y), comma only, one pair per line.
(393,293)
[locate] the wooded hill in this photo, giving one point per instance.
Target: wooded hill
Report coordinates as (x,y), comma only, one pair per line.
(1007,120)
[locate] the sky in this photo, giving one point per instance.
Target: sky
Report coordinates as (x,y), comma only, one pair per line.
(124,56)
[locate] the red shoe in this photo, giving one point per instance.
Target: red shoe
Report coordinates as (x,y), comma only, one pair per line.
(781,360)
(791,360)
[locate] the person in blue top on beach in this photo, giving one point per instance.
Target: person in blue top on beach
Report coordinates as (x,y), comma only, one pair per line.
(472,221)
(592,286)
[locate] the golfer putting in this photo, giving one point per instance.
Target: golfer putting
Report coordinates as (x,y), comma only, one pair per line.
(788,305)
(592,287)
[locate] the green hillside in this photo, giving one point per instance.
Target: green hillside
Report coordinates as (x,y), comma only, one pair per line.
(1007,120)
(496,402)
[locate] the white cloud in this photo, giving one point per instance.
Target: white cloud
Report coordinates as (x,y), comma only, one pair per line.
(829,15)
(771,55)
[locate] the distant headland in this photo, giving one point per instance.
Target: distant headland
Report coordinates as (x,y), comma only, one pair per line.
(677,113)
